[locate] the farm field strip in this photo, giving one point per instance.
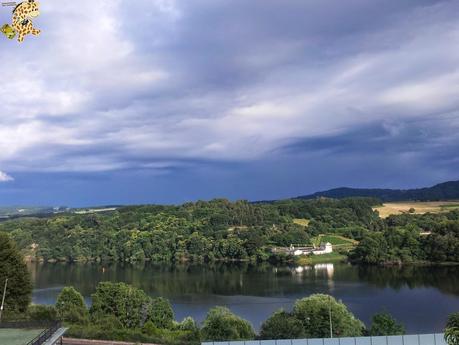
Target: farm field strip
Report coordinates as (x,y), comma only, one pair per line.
(394,208)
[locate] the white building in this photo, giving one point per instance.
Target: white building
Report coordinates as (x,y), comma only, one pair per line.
(298,251)
(324,249)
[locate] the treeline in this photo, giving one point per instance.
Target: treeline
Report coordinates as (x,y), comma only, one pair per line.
(410,239)
(440,192)
(214,230)
(123,312)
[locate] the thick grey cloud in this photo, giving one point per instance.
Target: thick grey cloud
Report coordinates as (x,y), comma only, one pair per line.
(164,85)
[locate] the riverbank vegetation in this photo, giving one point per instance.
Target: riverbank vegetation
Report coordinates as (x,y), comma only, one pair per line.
(201,231)
(120,311)
(125,313)
(412,239)
(220,230)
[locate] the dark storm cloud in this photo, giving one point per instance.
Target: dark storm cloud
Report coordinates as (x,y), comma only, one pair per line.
(232,88)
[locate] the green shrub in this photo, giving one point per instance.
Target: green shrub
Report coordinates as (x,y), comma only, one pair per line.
(188,324)
(40,312)
(108,322)
(150,329)
(314,314)
(452,329)
(385,324)
(70,306)
(161,313)
(222,324)
(128,304)
(166,337)
(282,325)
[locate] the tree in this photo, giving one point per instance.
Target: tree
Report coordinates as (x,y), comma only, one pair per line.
(282,325)
(222,324)
(452,329)
(70,306)
(161,313)
(314,314)
(128,304)
(385,324)
(13,268)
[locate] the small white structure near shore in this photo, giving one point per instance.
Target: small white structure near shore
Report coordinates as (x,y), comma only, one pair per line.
(327,248)
(298,251)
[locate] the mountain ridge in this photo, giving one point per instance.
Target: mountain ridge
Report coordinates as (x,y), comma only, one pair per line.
(443,191)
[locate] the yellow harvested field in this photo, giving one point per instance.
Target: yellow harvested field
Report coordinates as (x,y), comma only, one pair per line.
(420,207)
(303,222)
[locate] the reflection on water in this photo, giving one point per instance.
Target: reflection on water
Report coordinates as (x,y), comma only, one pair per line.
(421,297)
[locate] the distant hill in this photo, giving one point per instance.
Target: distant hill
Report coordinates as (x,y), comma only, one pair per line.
(443,191)
(12,211)
(7,212)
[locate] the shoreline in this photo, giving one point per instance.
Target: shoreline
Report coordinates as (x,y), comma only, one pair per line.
(300,261)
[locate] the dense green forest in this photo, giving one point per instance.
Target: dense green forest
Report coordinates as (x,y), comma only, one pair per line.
(224,230)
(213,230)
(410,239)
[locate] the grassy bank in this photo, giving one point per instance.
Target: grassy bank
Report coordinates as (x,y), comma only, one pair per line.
(320,259)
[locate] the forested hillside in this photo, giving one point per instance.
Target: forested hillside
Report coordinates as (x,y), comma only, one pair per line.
(412,238)
(215,230)
(223,230)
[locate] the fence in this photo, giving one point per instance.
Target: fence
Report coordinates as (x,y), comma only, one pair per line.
(419,339)
(45,335)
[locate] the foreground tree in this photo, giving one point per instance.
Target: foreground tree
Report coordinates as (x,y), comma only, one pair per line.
(131,306)
(125,302)
(282,325)
(385,324)
(314,313)
(13,268)
(222,324)
(452,330)
(70,306)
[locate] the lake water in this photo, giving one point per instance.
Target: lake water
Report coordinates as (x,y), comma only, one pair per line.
(420,297)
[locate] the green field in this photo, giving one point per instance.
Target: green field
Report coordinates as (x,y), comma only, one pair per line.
(318,259)
(335,240)
(18,336)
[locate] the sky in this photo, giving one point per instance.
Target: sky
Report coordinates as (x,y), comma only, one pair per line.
(168,101)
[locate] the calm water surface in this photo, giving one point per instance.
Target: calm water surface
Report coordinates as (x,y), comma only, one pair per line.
(420,297)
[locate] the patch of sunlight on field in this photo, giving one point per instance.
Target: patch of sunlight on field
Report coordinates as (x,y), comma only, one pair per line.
(391,208)
(303,222)
(18,336)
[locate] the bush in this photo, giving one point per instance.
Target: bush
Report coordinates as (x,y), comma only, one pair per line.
(188,324)
(165,337)
(149,328)
(38,312)
(385,324)
(314,314)
(128,304)
(70,306)
(282,325)
(222,324)
(452,329)
(161,313)
(108,322)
